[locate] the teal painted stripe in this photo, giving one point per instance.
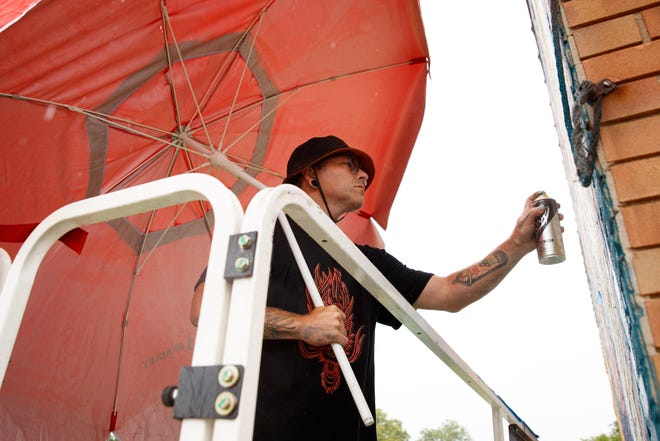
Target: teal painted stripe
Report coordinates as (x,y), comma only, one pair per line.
(633,312)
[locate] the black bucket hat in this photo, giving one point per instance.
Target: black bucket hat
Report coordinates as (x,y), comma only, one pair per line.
(317,149)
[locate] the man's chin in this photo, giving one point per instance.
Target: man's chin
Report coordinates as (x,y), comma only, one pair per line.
(358,205)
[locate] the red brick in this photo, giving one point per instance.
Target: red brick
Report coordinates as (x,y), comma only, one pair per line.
(656,363)
(582,12)
(645,263)
(652,20)
(653,315)
(642,224)
(607,36)
(630,139)
(625,64)
(637,180)
(631,99)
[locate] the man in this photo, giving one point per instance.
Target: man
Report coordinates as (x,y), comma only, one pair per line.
(302,395)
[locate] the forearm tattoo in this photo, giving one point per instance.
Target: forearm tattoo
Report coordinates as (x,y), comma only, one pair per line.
(476,272)
(275,324)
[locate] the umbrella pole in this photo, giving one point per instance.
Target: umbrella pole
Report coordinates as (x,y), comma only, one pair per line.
(222,161)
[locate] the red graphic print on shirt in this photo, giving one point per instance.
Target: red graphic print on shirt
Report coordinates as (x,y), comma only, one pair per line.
(333,292)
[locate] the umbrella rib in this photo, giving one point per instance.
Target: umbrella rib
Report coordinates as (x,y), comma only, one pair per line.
(240,82)
(120,183)
(111,120)
(151,160)
(90,113)
(245,163)
(142,262)
(121,346)
(245,108)
(200,203)
(240,161)
(168,55)
(153,215)
(246,132)
(353,74)
(213,85)
(199,167)
(168,25)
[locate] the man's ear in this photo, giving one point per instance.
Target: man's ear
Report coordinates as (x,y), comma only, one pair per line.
(309,177)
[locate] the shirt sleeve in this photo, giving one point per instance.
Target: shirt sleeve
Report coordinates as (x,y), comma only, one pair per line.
(409,282)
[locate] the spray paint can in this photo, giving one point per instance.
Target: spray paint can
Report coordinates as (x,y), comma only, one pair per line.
(549,243)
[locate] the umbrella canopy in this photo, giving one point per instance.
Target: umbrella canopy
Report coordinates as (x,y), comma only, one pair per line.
(103,94)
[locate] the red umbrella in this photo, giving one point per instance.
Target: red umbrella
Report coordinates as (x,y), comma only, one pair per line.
(96,96)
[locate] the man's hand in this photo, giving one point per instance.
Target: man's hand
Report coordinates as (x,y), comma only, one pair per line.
(322,326)
(524,234)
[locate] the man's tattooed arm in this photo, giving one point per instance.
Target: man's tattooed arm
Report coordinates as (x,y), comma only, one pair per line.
(278,324)
(458,289)
(321,326)
(476,272)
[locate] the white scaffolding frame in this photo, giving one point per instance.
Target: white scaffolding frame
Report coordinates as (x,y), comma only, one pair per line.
(230,328)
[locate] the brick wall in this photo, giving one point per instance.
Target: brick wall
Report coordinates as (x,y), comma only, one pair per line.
(620,41)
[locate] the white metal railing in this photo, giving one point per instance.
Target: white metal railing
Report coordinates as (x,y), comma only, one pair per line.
(230,327)
(5,264)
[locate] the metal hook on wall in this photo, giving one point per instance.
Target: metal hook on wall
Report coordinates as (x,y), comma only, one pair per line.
(586,126)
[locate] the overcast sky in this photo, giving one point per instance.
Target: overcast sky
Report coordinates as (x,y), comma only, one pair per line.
(488,141)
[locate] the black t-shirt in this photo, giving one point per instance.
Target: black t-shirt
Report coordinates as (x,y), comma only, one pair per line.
(302,393)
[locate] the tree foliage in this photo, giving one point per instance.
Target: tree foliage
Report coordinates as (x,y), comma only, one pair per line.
(389,429)
(614,435)
(450,430)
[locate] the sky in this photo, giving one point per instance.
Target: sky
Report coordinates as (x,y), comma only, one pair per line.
(488,141)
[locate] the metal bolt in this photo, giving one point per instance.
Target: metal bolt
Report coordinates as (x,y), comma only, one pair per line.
(242,264)
(225,403)
(228,376)
(244,241)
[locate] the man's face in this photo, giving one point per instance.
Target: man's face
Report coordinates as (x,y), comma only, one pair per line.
(343,182)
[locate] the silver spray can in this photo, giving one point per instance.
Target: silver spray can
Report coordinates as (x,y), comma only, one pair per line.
(549,243)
